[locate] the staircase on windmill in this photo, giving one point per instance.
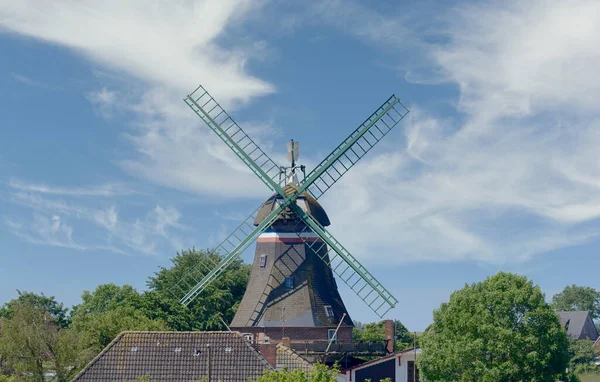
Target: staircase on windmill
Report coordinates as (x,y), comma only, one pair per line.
(292,291)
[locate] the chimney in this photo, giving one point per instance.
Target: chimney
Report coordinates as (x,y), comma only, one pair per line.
(269,353)
(389,336)
(285,341)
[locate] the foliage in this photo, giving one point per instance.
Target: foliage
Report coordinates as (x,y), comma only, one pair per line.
(106,297)
(56,310)
(318,373)
(32,343)
(102,316)
(111,309)
(582,357)
(375,332)
(581,351)
(500,329)
(575,297)
(217,302)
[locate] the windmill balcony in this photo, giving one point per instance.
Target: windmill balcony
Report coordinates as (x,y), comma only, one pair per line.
(350,347)
(318,347)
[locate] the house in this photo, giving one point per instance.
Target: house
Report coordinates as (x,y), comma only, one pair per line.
(579,325)
(399,367)
(176,356)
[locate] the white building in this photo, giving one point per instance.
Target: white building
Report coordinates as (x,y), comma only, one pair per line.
(399,367)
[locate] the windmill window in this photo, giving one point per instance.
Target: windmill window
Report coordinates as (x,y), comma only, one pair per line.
(332,335)
(329,310)
(289,282)
(262,262)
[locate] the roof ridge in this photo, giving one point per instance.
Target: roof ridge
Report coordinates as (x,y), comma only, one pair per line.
(179,332)
(292,352)
(252,348)
(96,358)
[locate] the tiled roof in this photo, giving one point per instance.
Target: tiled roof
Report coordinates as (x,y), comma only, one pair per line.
(176,356)
(289,359)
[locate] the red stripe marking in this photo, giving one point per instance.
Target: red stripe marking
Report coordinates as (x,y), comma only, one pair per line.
(287,239)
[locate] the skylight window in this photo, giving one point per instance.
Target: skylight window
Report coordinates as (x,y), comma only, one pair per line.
(289,282)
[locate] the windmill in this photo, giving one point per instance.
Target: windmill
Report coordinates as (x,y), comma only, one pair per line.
(294,216)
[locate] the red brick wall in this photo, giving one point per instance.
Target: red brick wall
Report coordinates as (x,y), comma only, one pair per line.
(298,334)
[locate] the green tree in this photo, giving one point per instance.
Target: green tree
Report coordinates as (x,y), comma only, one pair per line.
(582,357)
(318,373)
(575,297)
(375,332)
(33,343)
(56,310)
(107,297)
(582,352)
(109,310)
(217,302)
(500,329)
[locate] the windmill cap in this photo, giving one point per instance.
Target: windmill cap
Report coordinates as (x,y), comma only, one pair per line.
(308,204)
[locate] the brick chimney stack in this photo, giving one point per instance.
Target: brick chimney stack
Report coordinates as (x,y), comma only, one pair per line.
(269,353)
(389,336)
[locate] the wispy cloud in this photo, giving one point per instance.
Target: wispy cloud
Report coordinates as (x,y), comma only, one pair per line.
(158,230)
(104,100)
(517,174)
(47,230)
(103,190)
(28,81)
(165,49)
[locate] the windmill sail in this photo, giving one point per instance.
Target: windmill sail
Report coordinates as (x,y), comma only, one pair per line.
(346,266)
(329,171)
(353,148)
(217,119)
(199,277)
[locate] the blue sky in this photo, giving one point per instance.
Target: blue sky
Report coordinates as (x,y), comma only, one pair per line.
(105,173)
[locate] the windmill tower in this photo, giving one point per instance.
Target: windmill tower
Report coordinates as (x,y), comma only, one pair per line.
(291,288)
(292,284)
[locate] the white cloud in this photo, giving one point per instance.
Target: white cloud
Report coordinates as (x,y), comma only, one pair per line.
(167,47)
(47,230)
(519,58)
(104,100)
(157,231)
(518,174)
(163,42)
(103,190)
(107,218)
(28,81)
